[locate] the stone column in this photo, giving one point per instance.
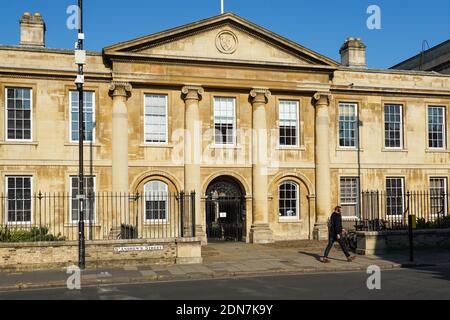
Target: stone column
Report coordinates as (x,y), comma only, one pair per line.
(321,102)
(260,231)
(120,92)
(192,151)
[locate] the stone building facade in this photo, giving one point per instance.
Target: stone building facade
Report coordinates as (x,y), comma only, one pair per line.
(222,106)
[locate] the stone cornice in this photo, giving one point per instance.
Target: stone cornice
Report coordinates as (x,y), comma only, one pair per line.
(260,95)
(46,50)
(322,98)
(419,92)
(50,73)
(192,92)
(120,89)
(186,60)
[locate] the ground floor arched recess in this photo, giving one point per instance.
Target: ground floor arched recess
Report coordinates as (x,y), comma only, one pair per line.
(226,207)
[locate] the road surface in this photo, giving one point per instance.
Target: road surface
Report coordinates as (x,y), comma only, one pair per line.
(420,283)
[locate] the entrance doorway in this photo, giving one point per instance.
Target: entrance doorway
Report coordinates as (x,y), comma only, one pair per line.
(225,210)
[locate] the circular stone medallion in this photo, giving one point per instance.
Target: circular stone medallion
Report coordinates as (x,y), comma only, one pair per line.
(226,42)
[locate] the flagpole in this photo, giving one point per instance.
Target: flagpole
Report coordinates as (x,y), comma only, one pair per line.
(222,7)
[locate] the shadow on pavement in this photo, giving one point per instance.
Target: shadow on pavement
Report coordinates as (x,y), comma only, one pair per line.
(310,254)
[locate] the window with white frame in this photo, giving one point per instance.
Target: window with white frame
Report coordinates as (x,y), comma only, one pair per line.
(88,115)
(395,202)
(438,195)
(224,120)
(156,195)
(393,125)
(156,118)
(289,204)
(89,204)
(19,114)
(19,205)
(347,125)
(436,127)
(289,119)
(349,196)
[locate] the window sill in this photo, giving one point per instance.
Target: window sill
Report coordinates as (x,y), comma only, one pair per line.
(291,148)
(86,224)
(157,145)
(156,223)
(86,144)
(19,224)
(394,218)
(231,147)
(289,220)
(437,151)
(19,143)
(394,150)
(350,218)
(349,149)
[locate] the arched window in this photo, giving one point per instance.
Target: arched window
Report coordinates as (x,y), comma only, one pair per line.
(156,195)
(289,204)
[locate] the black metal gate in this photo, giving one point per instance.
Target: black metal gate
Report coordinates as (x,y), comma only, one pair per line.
(225,218)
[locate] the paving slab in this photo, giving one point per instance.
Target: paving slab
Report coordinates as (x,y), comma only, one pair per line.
(130,268)
(202,269)
(158,267)
(148,273)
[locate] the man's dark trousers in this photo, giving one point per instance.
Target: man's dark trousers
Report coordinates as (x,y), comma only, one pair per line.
(331,241)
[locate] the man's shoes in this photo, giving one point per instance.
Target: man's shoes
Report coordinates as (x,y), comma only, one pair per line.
(324,260)
(351,259)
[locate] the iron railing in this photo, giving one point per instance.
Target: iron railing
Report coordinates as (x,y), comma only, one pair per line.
(108,216)
(381,211)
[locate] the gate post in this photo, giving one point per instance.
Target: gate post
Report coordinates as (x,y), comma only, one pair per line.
(182,214)
(443,209)
(238,217)
(40,197)
(410,228)
(136,212)
(193,212)
(411,238)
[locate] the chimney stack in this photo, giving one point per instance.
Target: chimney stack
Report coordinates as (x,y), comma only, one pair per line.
(32,30)
(353,53)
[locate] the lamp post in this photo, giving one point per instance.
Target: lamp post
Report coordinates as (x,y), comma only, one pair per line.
(80,60)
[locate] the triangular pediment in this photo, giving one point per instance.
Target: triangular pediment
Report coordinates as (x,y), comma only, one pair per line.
(224,38)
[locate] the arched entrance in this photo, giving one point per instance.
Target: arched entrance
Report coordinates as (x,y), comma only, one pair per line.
(225,210)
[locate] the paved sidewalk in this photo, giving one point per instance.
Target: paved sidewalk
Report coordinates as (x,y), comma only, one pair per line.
(224,260)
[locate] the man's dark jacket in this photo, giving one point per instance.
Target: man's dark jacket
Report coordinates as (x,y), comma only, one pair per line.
(335,225)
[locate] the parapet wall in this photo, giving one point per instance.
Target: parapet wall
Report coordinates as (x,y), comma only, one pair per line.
(55,255)
(380,242)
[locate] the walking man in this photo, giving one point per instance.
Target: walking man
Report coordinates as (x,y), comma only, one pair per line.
(336,233)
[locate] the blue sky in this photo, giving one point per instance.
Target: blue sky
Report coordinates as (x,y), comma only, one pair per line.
(320,25)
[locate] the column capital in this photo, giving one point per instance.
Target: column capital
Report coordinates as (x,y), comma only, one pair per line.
(120,89)
(192,92)
(260,95)
(322,98)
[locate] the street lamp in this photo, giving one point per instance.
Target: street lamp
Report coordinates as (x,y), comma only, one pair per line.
(80,60)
